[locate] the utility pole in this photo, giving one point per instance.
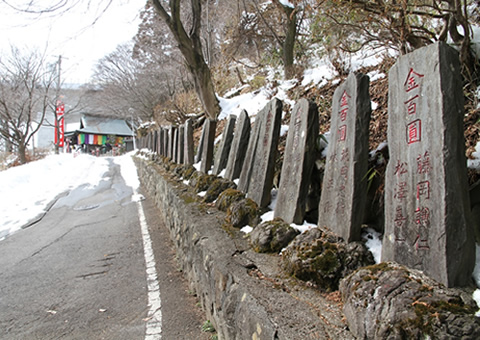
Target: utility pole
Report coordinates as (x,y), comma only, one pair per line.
(57,103)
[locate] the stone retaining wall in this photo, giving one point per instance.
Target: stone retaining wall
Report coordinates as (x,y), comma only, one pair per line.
(236,286)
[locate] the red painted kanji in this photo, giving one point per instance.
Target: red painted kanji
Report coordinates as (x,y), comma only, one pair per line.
(414,131)
(422,217)
(401,168)
(413,80)
(412,105)
(345,155)
(343,114)
(423,163)
(400,191)
(423,190)
(421,243)
(344,99)
(400,219)
(342,133)
(344,172)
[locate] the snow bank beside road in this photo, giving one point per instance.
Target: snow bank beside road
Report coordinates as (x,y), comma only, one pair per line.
(26,191)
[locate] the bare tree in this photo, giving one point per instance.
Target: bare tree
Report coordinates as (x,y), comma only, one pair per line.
(268,27)
(190,45)
(25,97)
(122,84)
(402,25)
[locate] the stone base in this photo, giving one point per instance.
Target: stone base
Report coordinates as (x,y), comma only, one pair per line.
(244,294)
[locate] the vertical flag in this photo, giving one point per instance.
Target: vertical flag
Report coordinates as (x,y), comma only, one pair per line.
(60,124)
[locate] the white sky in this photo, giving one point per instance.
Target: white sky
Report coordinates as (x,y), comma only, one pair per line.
(75,34)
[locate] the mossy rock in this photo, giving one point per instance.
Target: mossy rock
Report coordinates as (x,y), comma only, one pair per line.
(183,171)
(200,181)
(227,197)
(188,172)
(218,186)
(272,236)
(324,258)
(391,301)
(242,213)
(178,170)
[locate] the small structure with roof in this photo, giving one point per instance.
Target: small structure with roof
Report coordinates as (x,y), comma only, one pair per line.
(100,134)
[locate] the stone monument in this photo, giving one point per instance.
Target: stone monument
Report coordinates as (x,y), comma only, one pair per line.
(188,143)
(198,156)
(344,186)
(207,149)
(258,169)
(239,146)
(180,142)
(427,208)
(298,162)
(221,156)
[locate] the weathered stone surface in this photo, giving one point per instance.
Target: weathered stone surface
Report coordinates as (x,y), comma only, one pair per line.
(188,143)
(427,211)
(188,172)
(323,258)
(344,191)
(241,302)
(149,140)
(218,186)
(256,178)
(272,236)
(389,301)
(246,173)
(239,146)
(171,141)
(298,162)
(160,141)
(155,141)
(227,197)
(175,144)
(180,142)
(200,181)
(223,150)
(242,213)
(207,149)
(201,143)
(166,132)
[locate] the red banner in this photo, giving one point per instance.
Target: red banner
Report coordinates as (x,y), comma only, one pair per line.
(60,124)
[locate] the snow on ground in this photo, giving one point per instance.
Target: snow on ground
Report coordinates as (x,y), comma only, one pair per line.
(27,190)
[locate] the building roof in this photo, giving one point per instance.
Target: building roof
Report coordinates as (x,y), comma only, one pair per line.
(104,126)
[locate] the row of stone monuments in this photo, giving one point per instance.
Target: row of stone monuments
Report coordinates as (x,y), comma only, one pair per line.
(427,212)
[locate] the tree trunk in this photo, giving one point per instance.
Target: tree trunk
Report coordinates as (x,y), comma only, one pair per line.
(22,151)
(191,48)
(289,43)
(203,82)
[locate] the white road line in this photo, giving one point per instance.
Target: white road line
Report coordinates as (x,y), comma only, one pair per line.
(154,318)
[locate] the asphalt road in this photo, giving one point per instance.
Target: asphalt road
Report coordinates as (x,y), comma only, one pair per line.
(80,272)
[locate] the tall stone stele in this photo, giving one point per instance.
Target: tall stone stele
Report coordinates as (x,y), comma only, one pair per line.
(298,162)
(175,144)
(427,209)
(221,156)
(208,145)
(180,144)
(241,136)
(160,141)
(198,155)
(188,143)
(256,178)
(166,132)
(344,187)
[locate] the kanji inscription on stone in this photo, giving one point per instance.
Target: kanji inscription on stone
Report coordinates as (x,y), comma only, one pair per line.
(427,210)
(342,199)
